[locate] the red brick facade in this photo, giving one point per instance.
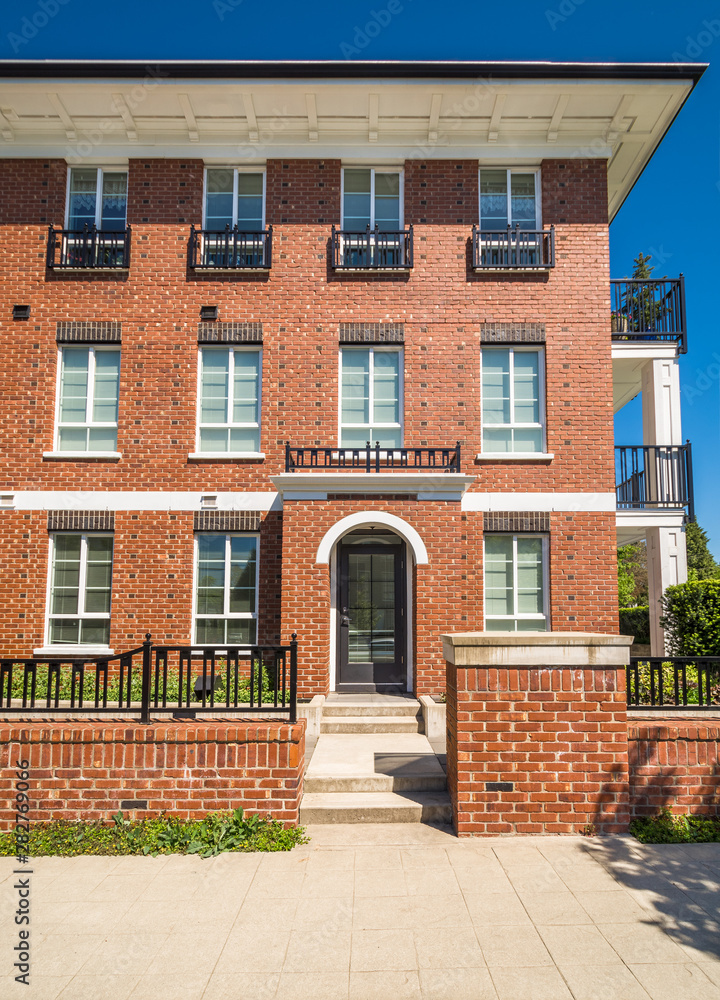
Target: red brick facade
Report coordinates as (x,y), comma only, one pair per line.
(301,303)
(86,770)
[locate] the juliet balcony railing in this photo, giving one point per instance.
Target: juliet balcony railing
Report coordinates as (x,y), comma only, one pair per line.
(372,250)
(372,458)
(89,249)
(513,249)
(654,477)
(229,249)
(649,310)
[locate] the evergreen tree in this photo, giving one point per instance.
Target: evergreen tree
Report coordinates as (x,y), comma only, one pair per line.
(701,564)
(632,575)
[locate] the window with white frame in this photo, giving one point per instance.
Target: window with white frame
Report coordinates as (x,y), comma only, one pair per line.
(97,196)
(512,400)
(371,197)
(229,401)
(371,391)
(226,589)
(234,197)
(509,197)
(88,394)
(80,589)
(515,574)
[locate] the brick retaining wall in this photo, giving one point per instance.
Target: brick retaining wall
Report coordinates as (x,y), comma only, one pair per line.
(674,763)
(86,770)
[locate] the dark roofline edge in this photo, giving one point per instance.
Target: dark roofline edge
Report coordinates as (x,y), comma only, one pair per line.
(303,69)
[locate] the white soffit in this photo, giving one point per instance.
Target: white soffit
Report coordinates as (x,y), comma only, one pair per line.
(242,120)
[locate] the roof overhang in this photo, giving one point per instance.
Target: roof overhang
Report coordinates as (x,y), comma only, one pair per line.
(90,111)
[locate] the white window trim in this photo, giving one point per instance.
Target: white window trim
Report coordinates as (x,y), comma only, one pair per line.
(545,616)
(88,424)
(75,648)
(241,616)
(518,455)
(98,193)
(382,170)
(401,394)
(199,455)
(236,171)
(513,170)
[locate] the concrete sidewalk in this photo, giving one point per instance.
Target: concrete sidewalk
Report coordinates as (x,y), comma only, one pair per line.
(388,911)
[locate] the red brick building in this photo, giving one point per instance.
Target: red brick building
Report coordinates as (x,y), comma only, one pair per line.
(328,349)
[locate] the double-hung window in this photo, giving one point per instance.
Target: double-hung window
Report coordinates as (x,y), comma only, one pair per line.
(226,589)
(229,401)
(509,197)
(512,394)
(80,589)
(234,225)
(515,573)
(372,234)
(97,197)
(371,390)
(88,395)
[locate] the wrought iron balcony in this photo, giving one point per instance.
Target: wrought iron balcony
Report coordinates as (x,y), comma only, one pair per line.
(654,477)
(372,250)
(229,250)
(89,249)
(649,310)
(513,249)
(372,459)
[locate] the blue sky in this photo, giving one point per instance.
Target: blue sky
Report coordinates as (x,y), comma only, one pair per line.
(671,213)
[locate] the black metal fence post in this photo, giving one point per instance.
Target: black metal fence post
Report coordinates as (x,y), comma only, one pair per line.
(146,674)
(293,677)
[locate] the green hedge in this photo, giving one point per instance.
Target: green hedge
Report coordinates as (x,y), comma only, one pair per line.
(636,621)
(691,618)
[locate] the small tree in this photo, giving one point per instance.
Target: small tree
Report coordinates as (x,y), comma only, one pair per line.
(701,564)
(632,575)
(640,307)
(691,618)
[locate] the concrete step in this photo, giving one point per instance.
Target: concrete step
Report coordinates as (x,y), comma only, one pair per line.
(398,707)
(370,724)
(432,782)
(375,807)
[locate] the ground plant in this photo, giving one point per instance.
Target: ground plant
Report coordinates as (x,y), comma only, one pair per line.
(665,828)
(215,834)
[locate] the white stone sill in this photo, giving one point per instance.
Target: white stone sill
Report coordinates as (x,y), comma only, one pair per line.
(68,652)
(515,456)
(225,456)
(82,456)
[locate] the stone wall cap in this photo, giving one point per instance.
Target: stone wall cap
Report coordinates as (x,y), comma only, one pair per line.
(536,639)
(536,649)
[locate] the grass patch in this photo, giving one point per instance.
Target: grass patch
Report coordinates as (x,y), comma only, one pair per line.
(668,829)
(215,834)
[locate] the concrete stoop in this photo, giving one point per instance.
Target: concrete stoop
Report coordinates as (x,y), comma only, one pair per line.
(373,764)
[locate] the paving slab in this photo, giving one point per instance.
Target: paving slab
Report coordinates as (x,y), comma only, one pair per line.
(383,912)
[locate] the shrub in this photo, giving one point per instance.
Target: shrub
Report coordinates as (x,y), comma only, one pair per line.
(691,618)
(668,829)
(636,621)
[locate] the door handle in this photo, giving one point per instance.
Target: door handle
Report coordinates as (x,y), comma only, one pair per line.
(344,620)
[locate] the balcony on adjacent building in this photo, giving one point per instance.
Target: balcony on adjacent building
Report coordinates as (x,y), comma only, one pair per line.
(372,250)
(513,249)
(229,249)
(372,458)
(649,310)
(654,477)
(88,249)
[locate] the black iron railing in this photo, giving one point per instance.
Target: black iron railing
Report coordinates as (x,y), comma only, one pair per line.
(372,250)
(155,679)
(89,248)
(229,249)
(371,458)
(654,476)
(649,310)
(513,249)
(674,682)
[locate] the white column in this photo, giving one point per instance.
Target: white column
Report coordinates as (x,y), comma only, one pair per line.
(661,403)
(667,565)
